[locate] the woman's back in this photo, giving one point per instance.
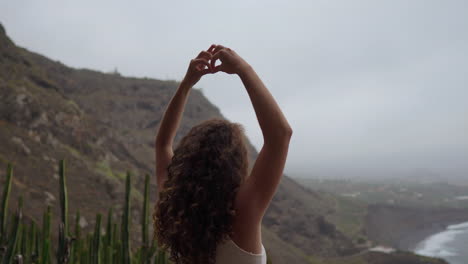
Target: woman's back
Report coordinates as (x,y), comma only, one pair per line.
(206,191)
(229,252)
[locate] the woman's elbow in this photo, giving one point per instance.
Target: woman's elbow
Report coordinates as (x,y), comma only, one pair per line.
(284,133)
(288,131)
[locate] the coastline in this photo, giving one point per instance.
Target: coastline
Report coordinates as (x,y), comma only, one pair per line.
(411,240)
(403,228)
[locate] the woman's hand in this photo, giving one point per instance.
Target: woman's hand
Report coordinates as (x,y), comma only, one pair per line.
(198,67)
(231,63)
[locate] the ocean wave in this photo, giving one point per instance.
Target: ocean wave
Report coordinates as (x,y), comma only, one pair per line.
(458,226)
(436,245)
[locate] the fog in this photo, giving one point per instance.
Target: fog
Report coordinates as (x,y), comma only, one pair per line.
(376,88)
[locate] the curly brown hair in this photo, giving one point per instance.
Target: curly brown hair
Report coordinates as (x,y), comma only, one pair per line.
(195,209)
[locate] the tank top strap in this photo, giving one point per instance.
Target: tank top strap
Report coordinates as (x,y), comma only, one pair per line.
(229,252)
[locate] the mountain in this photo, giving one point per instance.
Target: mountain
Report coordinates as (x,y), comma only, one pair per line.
(104,125)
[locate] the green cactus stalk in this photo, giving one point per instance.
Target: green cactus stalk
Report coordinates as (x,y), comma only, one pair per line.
(145,222)
(89,242)
(63,251)
(45,252)
(24,240)
(160,257)
(108,254)
(126,222)
(75,250)
(14,236)
(36,253)
(28,258)
(108,236)
(96,259)
(63,197)
(5,197)
(107,245)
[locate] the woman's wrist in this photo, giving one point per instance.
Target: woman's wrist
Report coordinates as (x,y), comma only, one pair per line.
(244,70)
(185,85)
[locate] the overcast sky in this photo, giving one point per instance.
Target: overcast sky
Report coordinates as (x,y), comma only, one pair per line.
(366,85)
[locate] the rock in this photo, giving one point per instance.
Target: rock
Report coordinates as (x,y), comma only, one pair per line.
(40,120)
(100,140)
(60,117)
(52,140)
(109,157)
(82,222)
(50,198)
(21,100)
(18,141)
(35,136)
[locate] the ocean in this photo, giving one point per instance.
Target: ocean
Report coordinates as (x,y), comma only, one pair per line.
(450,244)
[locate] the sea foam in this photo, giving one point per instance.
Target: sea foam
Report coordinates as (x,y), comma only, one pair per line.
(437,244)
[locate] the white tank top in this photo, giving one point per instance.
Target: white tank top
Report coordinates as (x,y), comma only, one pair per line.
(230,253)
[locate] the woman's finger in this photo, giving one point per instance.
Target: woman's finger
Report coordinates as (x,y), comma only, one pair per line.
(217,55)
(211,48)
(218,48)
(217,68)
(204,54)
(196,62)
(205,59)
(206,71)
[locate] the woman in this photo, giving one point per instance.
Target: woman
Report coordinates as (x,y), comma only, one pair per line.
(210,208)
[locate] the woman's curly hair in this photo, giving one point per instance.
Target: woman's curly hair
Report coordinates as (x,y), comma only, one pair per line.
(196,206)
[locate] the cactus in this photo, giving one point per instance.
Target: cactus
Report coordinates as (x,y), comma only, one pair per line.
(31,243)
(5,196)
(45,251)
(75,249)
(36,253)
(64,246)
(144,223)
(13,240)
(160,257)
(96,243)
(23,245)
(108,238)
(63,196)
(125,230)
(30,248)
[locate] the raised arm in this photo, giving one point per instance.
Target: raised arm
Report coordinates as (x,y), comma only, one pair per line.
(173,114)
(255,195)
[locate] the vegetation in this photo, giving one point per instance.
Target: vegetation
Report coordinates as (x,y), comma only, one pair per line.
(401,192)
(26,242)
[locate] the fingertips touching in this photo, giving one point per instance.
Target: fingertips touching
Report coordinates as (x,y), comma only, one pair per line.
(211,48)
(217,68)
(204,54)
(215,57)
